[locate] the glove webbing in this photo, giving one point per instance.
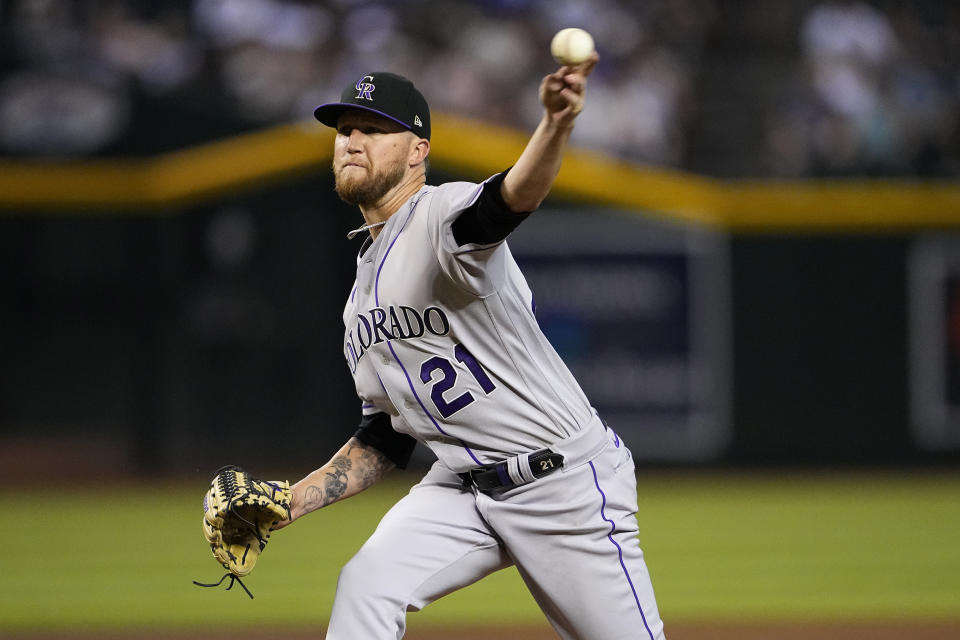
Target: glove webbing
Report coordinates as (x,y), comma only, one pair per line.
(233,579)
(254,526)
(228,486)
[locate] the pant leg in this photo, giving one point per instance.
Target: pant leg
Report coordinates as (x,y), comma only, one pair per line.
(432,542)
(573,537)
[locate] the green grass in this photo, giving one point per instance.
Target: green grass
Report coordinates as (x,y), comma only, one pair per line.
(814,547)
(737,547)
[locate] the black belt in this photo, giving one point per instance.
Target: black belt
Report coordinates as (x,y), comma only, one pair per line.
(496,476)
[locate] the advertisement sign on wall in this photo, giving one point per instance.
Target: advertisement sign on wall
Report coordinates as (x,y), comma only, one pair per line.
(639,312)
(935,342)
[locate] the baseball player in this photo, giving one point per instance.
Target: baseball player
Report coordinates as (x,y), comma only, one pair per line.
(444,347)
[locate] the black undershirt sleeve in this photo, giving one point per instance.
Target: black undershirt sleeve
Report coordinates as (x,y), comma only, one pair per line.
(376,431)
(489,219)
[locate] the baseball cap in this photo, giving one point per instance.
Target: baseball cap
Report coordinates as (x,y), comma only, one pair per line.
(387,94)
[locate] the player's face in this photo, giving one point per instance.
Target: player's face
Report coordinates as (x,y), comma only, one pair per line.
(370,157)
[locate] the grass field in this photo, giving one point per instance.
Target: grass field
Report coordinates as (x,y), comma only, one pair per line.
(720,547)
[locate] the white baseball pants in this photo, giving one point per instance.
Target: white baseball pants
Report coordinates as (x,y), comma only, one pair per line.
(572,536)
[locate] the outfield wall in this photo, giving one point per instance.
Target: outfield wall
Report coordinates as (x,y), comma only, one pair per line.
(164,303)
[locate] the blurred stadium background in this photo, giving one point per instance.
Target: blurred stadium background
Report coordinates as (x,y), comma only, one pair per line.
(751,261)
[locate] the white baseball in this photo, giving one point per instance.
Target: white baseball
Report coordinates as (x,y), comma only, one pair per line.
(571,46)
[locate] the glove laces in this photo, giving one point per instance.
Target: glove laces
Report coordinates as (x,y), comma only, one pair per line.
(233,578)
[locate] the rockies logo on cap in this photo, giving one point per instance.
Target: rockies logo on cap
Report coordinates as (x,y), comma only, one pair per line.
(384,93)
(365,89)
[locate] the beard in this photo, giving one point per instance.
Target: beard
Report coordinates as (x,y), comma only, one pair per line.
(368,190)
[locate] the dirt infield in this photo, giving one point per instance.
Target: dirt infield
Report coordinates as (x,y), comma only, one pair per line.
(679,631)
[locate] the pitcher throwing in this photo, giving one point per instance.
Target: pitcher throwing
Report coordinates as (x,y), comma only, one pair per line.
(443,344)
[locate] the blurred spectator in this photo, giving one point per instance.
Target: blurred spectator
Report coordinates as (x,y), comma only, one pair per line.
(868,101)
(867,88)
(158,53)
(47,114)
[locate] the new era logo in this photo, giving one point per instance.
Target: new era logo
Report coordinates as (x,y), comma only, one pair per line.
(416,121)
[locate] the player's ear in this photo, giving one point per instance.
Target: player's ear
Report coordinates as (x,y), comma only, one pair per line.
(419,151)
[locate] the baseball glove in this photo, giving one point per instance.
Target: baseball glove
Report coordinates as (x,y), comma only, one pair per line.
(238,512)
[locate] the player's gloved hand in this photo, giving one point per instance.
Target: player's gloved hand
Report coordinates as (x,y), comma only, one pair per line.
(238,514)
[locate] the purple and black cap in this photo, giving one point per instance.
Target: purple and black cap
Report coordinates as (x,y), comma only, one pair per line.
(387,94)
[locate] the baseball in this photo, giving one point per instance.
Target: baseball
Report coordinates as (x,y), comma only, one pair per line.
(571,46)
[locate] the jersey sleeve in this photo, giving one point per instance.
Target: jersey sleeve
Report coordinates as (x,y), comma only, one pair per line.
(472,251)
(377,431)
(488,220)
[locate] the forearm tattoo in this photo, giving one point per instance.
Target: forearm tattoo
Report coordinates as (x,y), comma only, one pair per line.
(352,470)
(371,464)
(338,477)
(312,498)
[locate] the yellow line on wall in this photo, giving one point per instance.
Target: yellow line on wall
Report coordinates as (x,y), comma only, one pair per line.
(477,150)
(838,205)
(480,149)
(166,180)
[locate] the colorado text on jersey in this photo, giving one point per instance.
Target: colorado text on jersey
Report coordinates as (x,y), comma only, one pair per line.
(372,328)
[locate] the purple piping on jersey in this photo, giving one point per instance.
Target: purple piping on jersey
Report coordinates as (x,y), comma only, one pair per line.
(376,298)
(376,285)
(476,196)
(367,405)
(613,527)
(353,294)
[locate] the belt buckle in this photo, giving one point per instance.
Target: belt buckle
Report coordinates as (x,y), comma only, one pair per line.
(469,477)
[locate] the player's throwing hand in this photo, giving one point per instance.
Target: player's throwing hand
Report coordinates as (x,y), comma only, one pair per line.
(562,92)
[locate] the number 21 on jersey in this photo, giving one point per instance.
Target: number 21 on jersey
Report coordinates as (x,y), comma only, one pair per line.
(448,378)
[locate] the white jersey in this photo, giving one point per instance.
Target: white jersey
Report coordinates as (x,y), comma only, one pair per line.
(444,339)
